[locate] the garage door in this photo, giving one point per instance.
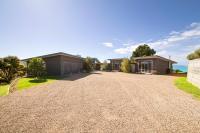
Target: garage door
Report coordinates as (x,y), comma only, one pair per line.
(71,67)
(67,68)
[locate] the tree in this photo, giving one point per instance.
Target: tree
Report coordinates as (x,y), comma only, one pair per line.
(143,50)
(106,66)
(96,63)
(98,66)
(194,55)
(36,67)
(125,65)
(88,64)
(10,68)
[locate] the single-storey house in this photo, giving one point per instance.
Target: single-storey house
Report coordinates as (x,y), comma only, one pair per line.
(116,63)
(60,64)
(147,64)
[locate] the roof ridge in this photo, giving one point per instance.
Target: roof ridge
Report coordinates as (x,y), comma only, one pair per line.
(53,54)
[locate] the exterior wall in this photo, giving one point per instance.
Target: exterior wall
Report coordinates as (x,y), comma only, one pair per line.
(193,75)
(161,66)
(70,65)
(63,65)
(158,66)
(115,64)
(53,65)
(141,60)
(133,68)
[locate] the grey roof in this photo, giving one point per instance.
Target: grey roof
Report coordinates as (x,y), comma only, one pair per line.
(54,54)
(154,57)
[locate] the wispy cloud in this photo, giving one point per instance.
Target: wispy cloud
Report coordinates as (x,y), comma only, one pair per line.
(191,32)
(176,44)
(108,44)
(127,49)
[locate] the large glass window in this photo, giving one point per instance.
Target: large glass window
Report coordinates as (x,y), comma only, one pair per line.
(145,66)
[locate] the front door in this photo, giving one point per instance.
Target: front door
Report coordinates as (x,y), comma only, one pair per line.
(145,67)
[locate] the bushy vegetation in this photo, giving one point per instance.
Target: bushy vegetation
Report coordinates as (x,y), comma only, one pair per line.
(10,68)
(96,64)
(106,66)
(143,50)
(194,55)
(126,66)
(178,71)
(88,64)
(36,67)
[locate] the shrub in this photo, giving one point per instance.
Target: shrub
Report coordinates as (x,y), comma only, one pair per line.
(88,65)
(10,68)
(178,71)
(194,55)
(36,67)
(106,66)
(125,66)
(97,66)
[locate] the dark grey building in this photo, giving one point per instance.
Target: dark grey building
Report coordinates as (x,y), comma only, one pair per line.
(147,64)
(116,63)
(60,64)
(153,64)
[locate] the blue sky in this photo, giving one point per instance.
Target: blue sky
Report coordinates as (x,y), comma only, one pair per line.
(99,28)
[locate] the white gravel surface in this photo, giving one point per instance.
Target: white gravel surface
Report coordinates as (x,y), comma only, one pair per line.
(103,102)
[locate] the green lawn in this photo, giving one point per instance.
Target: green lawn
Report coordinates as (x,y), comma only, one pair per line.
(186,86)
(4,89)
(25,83)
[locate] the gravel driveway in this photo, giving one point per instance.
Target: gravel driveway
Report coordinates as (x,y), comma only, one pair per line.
(101,102)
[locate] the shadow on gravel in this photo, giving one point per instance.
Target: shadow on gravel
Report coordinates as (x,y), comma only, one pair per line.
(74,77)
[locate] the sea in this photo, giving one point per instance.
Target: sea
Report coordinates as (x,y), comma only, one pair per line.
(180,67)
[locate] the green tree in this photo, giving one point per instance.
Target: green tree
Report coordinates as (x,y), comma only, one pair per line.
(36,67)
(194,55)
(98,66)
(88,64)
(10,68)
(106,66)
(96,63)
(125,65)
(143,50)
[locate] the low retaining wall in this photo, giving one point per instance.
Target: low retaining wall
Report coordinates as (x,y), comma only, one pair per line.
(194,72)
(13,85)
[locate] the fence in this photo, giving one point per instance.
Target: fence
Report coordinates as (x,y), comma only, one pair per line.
(194,72)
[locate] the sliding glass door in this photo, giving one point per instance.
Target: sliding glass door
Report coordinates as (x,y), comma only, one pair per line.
(146,66)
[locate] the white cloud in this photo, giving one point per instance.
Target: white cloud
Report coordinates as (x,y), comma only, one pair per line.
(122,50)
(126,44)
(192,32)
(108,44)
(177,44)
(174,33)
(127,49)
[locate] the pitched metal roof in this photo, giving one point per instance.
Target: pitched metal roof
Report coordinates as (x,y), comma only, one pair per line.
(54,54)
(154,57)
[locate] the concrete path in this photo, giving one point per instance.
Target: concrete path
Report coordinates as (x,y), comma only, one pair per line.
(102,102)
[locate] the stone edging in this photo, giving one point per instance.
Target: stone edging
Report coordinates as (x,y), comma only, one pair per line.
(13,85)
